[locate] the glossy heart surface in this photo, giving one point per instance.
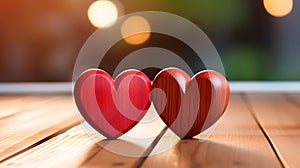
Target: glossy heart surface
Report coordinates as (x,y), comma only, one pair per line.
(112,107)
(189,106)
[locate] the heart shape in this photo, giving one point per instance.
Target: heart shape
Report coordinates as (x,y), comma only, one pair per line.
(189,106)
(112,107)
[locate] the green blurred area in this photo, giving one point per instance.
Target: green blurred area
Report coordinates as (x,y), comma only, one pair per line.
(252,44)
(245,63)
(39,40)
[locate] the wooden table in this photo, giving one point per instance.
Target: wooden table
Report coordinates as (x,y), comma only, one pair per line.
(257,130)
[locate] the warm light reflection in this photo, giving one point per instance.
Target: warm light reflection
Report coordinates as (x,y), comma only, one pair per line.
(102,13)
(135,30)
(278,8)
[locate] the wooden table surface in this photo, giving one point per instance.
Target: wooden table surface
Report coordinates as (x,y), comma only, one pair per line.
(257,130)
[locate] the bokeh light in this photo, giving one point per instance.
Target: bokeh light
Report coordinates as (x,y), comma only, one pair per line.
(278,8)
(102,13)
(135,30)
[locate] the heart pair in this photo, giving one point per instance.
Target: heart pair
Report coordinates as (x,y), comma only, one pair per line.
(188,106)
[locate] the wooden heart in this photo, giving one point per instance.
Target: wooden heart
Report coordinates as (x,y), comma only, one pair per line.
(189,106)
(112,107)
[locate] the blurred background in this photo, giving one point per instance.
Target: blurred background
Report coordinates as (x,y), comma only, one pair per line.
(256,39)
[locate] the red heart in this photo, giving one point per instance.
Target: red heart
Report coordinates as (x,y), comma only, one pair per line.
(112,107)
(189,106)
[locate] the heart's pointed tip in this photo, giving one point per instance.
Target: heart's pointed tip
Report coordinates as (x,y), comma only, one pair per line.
(112,137)
(187,137)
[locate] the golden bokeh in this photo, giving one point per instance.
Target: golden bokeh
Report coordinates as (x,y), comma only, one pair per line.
(102,13)
(278,8)
(136,30)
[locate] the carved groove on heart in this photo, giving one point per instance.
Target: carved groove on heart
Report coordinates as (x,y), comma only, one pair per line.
(112,107)
(189,106)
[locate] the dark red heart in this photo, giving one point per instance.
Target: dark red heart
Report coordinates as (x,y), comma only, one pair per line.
(112,107)
(189,106)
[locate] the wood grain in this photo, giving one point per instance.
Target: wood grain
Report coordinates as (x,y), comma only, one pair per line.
(27,128)
(74,148)
(189,106)
(236,142)
(294,99)
(69,149)
(13,104)
(36,137)
(280,119)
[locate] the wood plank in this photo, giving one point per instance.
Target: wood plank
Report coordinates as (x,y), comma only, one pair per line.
(296,96)
(69,149)
(41,121)
(295,99)
(13,104)
(8,102)
(236,142)
(75,149)
(7,98)
(280,119)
